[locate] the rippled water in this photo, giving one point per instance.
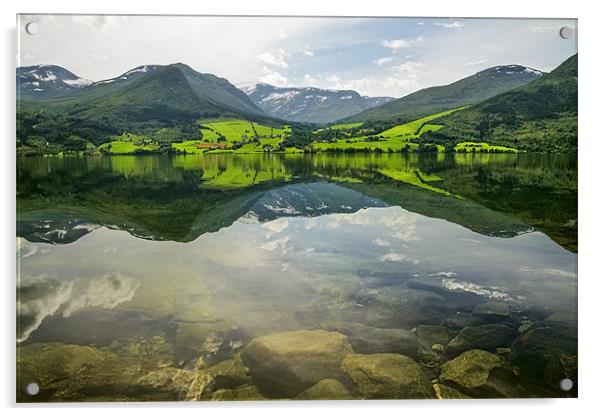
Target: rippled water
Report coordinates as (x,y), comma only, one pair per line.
(140,276)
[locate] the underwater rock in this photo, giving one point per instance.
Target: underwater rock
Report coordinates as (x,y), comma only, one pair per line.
(79,373)
(564,322)
(170,379)
(399,306)
(547,355)
(243,393)
(445,392)
(50,364)
(430,338)
(387,376)
(492,311)
(226,375)
(484,337)
(327,389)
(428,283)
(479,373)
(461,320)
(366,339)
(286,363)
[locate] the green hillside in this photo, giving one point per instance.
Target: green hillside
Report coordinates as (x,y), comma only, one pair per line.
(540,116)
(163,103)
(469,90)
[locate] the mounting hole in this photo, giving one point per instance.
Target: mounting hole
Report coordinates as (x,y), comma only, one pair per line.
(32,28)
(32,389)
(566,32)
(566,384)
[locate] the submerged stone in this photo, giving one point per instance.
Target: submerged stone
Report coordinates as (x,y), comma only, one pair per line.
(79,373)
(462,319)
(480,374)
(565,322)
(485,337)
(547,355)
(387,376)
(327,389)
(243,393)
(284,364)
(226,375)
(367,339)
(445,392)
(492,311)
(399,306)
(430,340)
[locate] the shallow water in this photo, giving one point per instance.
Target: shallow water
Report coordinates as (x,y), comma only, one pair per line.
(163,264)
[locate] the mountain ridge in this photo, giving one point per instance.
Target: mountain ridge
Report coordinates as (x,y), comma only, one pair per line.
(309,104)
(466,91)
(538,116)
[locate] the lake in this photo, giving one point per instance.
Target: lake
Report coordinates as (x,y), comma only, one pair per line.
(326,276)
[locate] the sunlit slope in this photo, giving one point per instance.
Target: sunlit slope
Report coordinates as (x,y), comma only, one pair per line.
(540,116)
(394,139)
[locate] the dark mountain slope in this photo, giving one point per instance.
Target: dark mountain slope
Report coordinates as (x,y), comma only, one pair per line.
(539,116)
(470,90)
(142,100)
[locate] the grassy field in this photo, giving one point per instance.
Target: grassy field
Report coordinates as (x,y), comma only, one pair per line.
(345,126)
(236,131)
(128,143)
(482,147)
(395,139)
(415,128)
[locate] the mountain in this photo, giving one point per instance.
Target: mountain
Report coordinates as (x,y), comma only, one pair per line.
(467,91)
(43,81)
(145,99)
(311,105)
(540,116)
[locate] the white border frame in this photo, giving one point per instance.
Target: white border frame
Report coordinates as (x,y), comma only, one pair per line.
(589,280)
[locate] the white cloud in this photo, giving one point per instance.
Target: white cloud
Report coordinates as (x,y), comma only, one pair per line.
(276,226)
(274,78)
(27,57)
(478,61)
(333,79)
(401,80)
(282,34)
(454,25)
(307,51)
(310,81)
(99,56)
(51,295)
(396,44)
(381,242)
(277,60)
(383,61)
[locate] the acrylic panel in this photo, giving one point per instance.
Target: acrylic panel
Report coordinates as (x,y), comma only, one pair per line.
(311,208)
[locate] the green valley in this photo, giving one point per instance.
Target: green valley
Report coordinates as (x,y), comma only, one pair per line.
(176,110)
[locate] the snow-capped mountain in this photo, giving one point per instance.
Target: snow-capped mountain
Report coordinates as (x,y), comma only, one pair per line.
(309,104)
(43,81)
(129,76)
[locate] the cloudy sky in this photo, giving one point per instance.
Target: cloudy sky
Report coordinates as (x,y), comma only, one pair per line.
(375,56)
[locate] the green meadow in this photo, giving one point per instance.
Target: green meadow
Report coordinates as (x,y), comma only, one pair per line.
(395,139)
(482,147)
(247,137)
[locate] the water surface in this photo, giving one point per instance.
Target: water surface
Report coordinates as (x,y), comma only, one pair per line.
(164,267)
